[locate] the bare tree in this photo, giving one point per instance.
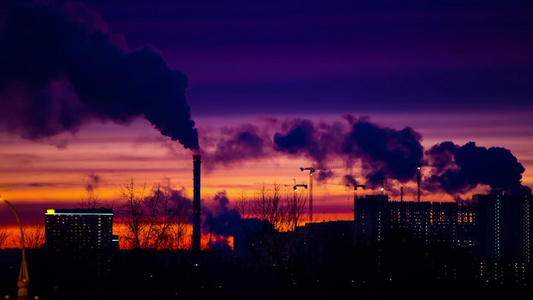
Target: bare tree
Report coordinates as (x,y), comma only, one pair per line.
(33,236)
(273,245)
(178,237)
(159,219)
(284,211)
(295,210)
(4,236)
(131,212)
(153,220)
(182,211)
(89,201)
(267,205)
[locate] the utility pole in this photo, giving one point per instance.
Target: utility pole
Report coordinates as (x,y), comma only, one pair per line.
(24,279)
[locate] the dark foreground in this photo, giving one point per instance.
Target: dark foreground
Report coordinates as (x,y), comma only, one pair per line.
(182,275)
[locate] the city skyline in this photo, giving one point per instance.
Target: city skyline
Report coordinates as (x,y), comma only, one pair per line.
(452,72)
(389,248)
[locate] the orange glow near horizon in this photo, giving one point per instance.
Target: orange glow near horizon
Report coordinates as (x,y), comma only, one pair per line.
(208,241)
(38,175)
(34,236)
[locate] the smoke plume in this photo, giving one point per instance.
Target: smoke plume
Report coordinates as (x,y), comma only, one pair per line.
(349,180)
(60,69)
(93,181)
(223,221)
(386,155)
(383,152)
(458,169)
(220,219)
(240,143)
(303,137)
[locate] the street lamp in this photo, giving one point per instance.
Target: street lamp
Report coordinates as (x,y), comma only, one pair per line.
(24,280)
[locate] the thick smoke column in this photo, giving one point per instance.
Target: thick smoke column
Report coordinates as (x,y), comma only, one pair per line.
(383,152)
(60,69)
(458,169)
(240,143)
(349,180)
(304,137)
(221,219)
(224,221)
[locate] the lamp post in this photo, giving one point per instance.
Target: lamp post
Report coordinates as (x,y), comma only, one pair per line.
(24,280)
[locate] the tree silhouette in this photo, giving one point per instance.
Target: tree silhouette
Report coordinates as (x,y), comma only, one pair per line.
(4,236)
(153,219)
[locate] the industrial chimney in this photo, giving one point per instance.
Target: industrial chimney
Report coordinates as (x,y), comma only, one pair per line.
(196,234)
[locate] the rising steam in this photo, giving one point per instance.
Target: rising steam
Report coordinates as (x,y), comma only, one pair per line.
(457,169)
(383,154)
(60,69)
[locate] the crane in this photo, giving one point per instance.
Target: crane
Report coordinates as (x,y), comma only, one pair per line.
(311,171)
(355,186)
(295,187)
(418,177)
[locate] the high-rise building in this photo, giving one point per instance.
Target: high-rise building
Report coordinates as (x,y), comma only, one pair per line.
(504,225)
(425,231)
(491,236)
(79,231)
(503,233)
(371,216)
(443,222)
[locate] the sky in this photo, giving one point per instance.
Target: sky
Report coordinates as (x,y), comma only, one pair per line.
(96,92)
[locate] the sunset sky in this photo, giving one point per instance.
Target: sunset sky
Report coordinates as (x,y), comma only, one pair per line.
(260,73)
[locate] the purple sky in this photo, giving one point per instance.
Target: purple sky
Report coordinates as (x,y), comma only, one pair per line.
(456,71)
(337,56)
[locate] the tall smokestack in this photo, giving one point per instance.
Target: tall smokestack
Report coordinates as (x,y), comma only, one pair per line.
(196,234)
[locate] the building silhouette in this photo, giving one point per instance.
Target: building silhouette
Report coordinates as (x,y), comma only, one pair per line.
(488,240)
(503,235)
(79,231)
(81,239)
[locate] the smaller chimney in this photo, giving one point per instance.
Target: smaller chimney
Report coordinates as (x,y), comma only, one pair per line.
(196,231)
